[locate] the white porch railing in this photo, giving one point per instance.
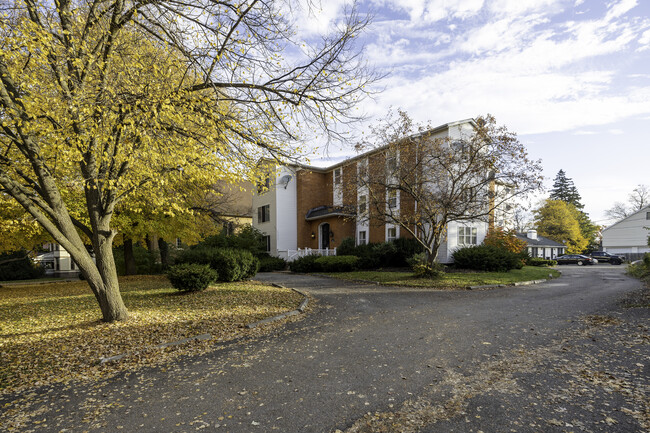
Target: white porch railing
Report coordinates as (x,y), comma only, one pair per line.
(291,255)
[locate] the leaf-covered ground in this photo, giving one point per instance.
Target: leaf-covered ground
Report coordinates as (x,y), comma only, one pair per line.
(51,332)
(450,280)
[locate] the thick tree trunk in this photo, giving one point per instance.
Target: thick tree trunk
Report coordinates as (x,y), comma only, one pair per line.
(164,249)
(129,258)
(106,287)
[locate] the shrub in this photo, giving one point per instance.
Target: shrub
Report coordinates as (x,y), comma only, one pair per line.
(386,254)
(422,269)
(304,264)
(191,277)
(18,266)
(347,248)
(247,238)
(505,240)
(538,261)
(337,263)
(230,264)
(646,260)
(268,264)
(486,258)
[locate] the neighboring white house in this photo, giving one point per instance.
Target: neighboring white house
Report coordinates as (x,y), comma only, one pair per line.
(539,246)
(57,261)
(629,236)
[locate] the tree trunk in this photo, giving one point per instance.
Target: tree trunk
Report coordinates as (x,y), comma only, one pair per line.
(129,258)
(164,250)
(106,287)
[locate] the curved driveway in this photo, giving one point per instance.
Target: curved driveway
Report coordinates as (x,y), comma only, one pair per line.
(376,358)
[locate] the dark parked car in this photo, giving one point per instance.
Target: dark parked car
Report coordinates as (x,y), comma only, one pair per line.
(603,256)
(575,259)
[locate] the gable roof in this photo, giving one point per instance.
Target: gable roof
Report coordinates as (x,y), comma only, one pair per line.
(645,209)
(541,241)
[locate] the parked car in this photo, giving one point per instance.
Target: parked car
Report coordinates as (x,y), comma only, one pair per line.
(603,256)
(575,259)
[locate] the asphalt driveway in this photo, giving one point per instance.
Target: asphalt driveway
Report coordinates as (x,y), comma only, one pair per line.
(558,356)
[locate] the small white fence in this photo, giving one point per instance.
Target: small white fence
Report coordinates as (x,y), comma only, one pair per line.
(291,255)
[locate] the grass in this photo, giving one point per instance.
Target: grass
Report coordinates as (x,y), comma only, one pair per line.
(51,332)
(450,280)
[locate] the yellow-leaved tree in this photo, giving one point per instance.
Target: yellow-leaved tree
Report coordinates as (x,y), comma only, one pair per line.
(103,103)
(560,221)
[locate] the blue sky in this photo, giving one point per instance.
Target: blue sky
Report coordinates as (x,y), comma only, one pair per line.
(570,77)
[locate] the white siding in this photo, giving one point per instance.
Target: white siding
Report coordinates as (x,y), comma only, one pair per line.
(283,227)
(628,235)
(452,237)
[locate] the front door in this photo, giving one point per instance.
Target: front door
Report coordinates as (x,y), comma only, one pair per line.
(324,236)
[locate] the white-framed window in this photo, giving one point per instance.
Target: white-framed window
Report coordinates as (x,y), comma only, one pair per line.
(467,235)
(647,215)
(363,239)
(264,214)
(362,169)
(391,161)
(392,198)
(338,175)
(363,205)
(178,243)
(267,242)
(391,234)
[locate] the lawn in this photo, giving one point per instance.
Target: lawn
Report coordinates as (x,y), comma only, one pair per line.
(51,332)
(450,280)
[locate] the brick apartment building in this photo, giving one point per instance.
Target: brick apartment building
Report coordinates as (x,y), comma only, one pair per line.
(312,207)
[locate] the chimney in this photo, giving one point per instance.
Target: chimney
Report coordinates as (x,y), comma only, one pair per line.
(532,234)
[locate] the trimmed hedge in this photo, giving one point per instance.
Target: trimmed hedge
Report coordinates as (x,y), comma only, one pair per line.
(268,264)
(538,261)
(191,277)
(304,264)
(230,264)
(487,258)
(377,255)
(337,263)
(324,264)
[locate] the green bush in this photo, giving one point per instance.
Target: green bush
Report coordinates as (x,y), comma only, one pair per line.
(268,264)
(247,238)
(304,264)
(646,260)
(230,264)
(191,277)
(376,255)
(486,258)
(538,261)
(337,263)
(422,269)
(18,266)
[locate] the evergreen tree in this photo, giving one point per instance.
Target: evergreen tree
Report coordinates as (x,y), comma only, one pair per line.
(565,190)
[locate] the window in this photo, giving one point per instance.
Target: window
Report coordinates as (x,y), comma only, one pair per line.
(178,243)
(263,214)
(362,169)
(392,198)
(228,228)
(265,185)
(647,215)
(338,172)
(467,236)
(363,205)
(391,161)
(362,238)
(391,234)
(267,242)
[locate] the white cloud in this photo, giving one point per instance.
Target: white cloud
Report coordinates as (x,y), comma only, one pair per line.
(620,8)
(434,10)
